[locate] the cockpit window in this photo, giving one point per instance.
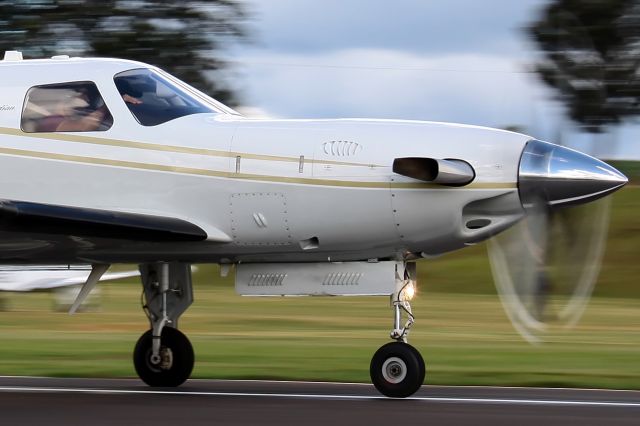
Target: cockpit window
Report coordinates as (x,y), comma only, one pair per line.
(154,98)
(65,107)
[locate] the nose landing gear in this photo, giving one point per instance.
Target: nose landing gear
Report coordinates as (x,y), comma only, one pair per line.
(397,369)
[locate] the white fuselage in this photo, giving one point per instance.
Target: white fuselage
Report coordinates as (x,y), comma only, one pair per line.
(262,190)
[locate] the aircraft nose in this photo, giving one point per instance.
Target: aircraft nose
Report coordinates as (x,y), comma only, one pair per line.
(561,176)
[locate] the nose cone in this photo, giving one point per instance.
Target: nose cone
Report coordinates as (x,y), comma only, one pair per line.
(561,176)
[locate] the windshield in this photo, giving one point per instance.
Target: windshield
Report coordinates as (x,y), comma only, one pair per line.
(155,98)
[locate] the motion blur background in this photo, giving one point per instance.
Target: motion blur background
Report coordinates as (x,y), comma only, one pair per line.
(565,71)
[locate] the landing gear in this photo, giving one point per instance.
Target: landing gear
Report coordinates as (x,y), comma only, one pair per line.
(163,355)
(175,362)
(397,369)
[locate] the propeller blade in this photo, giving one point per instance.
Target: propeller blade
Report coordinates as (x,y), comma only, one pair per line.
(545,268)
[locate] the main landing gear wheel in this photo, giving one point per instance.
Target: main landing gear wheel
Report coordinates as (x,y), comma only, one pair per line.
(397,370)
(175,363)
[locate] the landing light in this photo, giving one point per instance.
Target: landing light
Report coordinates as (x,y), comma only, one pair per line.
(407,292)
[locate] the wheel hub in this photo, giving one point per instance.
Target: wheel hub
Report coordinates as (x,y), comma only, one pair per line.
(164,360)
(175,358)
(394,370)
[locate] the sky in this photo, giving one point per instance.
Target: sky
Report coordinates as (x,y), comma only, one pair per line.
(438,60)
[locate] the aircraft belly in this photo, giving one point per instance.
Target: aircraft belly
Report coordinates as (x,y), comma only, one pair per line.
(317,279)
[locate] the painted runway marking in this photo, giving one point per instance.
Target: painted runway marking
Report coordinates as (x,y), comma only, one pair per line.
(513,401)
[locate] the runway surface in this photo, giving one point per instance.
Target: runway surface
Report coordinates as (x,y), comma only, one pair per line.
(51,401)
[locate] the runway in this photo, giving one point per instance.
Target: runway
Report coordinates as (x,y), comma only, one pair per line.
(35,401)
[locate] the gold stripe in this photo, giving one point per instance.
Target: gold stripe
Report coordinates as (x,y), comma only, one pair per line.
(65,137)
(108,162)
(243,176)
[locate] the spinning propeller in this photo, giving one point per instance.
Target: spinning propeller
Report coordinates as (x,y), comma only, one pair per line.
(546,266)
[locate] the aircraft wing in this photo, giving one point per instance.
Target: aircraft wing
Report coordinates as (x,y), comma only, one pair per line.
(24,279)
(21,216)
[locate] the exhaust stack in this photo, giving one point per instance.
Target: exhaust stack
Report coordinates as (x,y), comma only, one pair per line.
(448,172)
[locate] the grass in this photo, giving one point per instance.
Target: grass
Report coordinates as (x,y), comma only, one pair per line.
(465,339)
(468,271)
(630,168)
(461,328)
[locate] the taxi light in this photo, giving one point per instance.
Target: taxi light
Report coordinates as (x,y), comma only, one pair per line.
(407,292)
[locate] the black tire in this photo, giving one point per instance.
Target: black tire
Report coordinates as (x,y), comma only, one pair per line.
(397,370)
(178,362)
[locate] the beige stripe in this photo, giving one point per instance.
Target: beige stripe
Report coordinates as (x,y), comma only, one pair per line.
(66,137)
(242,176)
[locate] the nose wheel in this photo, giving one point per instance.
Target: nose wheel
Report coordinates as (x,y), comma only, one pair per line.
(397,370)
(173,364)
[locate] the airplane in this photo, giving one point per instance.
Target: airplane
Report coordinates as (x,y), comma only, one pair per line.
(63,280)
(25,278)
(108,161)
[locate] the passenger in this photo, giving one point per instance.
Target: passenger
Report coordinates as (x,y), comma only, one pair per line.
(91,114)
(49,123)
(53,110)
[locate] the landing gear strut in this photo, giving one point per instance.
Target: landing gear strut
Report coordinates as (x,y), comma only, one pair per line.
(397,369)
(163,355)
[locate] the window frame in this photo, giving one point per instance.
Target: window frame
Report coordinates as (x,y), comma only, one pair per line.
(87,83)
(189,94)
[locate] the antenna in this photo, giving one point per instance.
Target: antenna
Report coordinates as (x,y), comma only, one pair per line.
(12,55)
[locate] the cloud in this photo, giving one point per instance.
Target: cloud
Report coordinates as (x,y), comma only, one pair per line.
(451,60)
(443,60)
(417,26)
(380,83)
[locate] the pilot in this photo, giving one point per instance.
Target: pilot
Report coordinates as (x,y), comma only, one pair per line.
(131,100)
(128,93)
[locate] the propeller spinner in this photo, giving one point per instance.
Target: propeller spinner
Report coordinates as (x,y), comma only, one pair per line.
(558,176)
